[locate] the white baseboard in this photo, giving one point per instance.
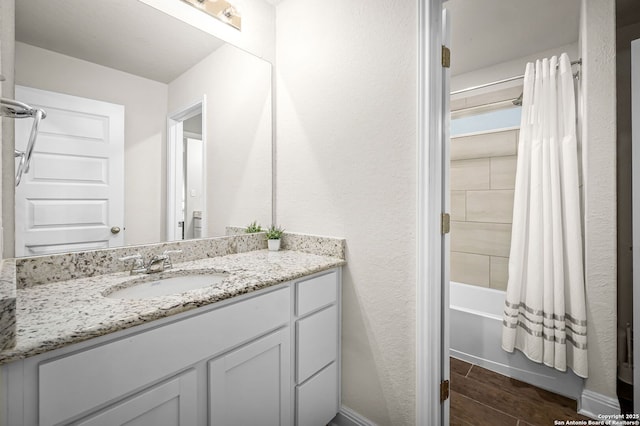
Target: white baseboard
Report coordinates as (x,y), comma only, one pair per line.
(592,404)
(347,417)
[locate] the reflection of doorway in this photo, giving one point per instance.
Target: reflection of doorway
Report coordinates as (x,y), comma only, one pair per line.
(186,190)
(193,189)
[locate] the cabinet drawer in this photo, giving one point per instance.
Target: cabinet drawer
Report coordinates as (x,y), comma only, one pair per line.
(77,383)
(317,342)
(316,293)
(317,400)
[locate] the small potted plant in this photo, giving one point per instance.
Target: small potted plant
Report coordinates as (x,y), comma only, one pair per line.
(274,233)
(253,227)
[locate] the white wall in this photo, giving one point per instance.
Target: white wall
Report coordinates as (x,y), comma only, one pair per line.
(238,136)
(346,166)
(597,46)
(145,103)
(258,24)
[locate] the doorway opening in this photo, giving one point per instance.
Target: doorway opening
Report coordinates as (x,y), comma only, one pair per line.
(186,172)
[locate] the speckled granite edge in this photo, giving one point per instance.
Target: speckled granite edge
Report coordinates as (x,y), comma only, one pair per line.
(315,244)
(7,304)
(235,230)
(61,267)
(58,314)
(38,270)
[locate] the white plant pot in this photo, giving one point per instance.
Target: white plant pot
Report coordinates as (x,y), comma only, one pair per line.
(274,245)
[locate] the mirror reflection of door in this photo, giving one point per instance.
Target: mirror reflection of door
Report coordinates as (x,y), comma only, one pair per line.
(186,199)
(73,197)
(193,194)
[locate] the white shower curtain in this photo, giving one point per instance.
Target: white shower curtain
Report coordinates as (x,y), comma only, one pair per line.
(545,314)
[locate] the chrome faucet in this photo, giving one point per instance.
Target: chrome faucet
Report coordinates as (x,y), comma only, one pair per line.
(137,266)
(158,262)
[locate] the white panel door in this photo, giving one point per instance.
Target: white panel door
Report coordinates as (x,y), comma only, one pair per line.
(73,195)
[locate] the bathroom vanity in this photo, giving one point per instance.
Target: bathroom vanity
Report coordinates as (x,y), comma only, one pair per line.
(261,349)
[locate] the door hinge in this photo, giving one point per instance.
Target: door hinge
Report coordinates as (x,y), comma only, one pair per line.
(444,391)
(445,223)
(446,56)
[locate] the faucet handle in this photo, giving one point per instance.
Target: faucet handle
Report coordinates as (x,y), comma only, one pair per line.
(131,257)
(166,252)
(138,262)
(167,258)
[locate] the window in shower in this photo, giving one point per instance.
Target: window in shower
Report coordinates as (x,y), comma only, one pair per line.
(483,166)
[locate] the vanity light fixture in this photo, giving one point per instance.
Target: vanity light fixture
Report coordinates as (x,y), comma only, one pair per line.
(219,9)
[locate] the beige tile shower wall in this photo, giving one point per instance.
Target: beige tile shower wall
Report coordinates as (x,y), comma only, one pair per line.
(483,171)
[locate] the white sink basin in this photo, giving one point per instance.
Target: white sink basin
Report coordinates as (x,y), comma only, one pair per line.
(166,286)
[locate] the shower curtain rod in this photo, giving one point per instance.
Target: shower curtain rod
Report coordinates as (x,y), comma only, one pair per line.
(505,80)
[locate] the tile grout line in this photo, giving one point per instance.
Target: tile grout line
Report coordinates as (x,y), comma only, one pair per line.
(468,371)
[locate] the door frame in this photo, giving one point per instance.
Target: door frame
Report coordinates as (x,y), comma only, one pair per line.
(635,176)
(430,342)
(175,134)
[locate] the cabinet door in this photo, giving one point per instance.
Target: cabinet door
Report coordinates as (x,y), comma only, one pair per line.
(172,403)
(251,385)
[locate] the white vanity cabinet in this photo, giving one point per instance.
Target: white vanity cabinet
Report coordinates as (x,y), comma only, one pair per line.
(270,357)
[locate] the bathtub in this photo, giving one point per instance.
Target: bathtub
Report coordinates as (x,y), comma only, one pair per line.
(476,337)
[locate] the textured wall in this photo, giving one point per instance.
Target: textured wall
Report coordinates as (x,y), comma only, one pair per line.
(599,168)
(145,103)
(346,166)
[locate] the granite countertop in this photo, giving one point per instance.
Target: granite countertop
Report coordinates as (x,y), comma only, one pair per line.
(54,315)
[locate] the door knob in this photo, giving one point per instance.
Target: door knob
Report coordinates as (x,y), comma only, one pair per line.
(115,230)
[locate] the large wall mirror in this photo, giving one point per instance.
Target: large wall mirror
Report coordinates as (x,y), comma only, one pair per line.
(155,130)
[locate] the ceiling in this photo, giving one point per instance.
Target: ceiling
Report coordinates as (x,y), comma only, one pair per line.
(126,35)
(488,32)
(484,33)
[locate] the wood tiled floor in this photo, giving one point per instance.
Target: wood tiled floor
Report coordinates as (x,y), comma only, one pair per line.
(481,397)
